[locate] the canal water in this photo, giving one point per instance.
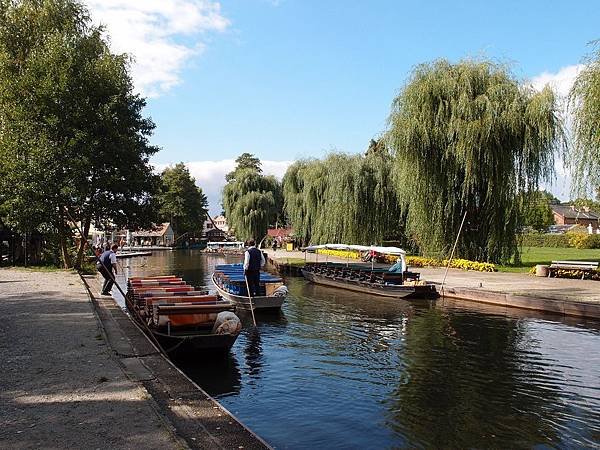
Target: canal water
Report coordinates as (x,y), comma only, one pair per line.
(342,370)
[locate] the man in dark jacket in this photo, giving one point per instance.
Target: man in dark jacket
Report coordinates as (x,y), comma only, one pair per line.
(253,261)
(106,265)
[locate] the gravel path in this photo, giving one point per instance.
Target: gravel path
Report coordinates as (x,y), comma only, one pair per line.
(59,385)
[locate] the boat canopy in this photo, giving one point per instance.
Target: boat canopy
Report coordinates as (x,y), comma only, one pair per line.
(360,248)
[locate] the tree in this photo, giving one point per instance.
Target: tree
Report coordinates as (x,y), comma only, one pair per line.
(469,137)
(343,198)
(536,212)
(584,100)
(181,202)
(251,200)
(74,143)
(245,161)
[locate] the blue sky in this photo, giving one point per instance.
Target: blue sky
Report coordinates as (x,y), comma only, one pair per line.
(297,78)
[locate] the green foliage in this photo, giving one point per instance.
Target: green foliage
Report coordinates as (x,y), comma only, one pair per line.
(342,198)
(584,99)
(73,136)
(536,212)
(583,240)
(567,240)
(544,240)
(245,161)
(251,200)
(181,202)
(469,137)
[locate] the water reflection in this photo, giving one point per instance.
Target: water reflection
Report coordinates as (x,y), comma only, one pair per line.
(218,375)
(470,383)
(345,370)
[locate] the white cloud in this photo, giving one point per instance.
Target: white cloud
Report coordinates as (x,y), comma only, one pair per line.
(561,83)
(153,33)
(210,176)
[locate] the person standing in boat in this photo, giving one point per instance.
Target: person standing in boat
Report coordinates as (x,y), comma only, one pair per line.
(107,265)
(253,261)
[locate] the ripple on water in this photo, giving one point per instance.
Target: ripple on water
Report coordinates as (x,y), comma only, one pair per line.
(345,370)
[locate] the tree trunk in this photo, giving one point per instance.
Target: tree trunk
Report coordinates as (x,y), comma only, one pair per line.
(64,248)
(82,242)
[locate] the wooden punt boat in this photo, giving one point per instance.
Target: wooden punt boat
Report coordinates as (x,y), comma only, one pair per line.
(364,279)
(180,319)
(230,284)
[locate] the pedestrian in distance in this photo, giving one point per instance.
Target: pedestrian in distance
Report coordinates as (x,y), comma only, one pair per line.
(107,265)
(253,261)
(274,245)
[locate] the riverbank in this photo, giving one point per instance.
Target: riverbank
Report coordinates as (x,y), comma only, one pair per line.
(78,374)
(518,290)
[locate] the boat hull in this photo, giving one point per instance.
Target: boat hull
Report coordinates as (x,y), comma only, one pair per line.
(186,344)
(259,303)
(400,291)
(189,346)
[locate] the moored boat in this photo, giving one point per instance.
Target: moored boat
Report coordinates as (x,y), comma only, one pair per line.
(180,319)
(366,278)
(230,283)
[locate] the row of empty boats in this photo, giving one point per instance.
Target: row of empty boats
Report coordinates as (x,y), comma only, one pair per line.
(182,319)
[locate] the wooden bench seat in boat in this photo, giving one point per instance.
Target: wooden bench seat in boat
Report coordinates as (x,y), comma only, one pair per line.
(160,278)
(187,314)
(143,290)
(148,283)
(151,301)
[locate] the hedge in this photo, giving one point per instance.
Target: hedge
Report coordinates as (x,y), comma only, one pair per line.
(567,240)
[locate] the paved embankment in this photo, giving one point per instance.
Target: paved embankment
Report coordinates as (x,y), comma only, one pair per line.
(70,380)
(557,295)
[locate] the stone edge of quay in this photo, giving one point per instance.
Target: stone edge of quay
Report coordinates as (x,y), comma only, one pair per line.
(247,438)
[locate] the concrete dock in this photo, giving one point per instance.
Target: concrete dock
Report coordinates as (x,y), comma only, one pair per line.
(518,290)
(77,373)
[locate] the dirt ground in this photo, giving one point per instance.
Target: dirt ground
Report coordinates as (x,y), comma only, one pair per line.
(60,387)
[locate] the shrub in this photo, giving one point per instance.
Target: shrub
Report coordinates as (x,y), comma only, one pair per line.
(567,240)
(545,240)
(465,264)
(578,240)
(352,254)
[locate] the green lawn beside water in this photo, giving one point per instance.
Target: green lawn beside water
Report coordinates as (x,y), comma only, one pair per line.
(531,256)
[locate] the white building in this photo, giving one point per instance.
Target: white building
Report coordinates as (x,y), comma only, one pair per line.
(220,222)
(162,236)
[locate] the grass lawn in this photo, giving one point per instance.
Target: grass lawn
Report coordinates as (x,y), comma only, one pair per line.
(291,261)
(531,256)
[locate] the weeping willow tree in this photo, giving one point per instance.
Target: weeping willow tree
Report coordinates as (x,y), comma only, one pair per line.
(251,202)
(342,198)
(468,137)
(584,100)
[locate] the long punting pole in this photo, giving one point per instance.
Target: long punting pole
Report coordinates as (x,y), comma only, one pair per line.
(250,299)
(453,249)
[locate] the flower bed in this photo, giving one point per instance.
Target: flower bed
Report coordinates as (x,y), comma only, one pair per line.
(418,261)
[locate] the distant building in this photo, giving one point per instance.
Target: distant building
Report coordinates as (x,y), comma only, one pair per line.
(221,223)
(216,235)
(279,234)
(162,236)
(570,215)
